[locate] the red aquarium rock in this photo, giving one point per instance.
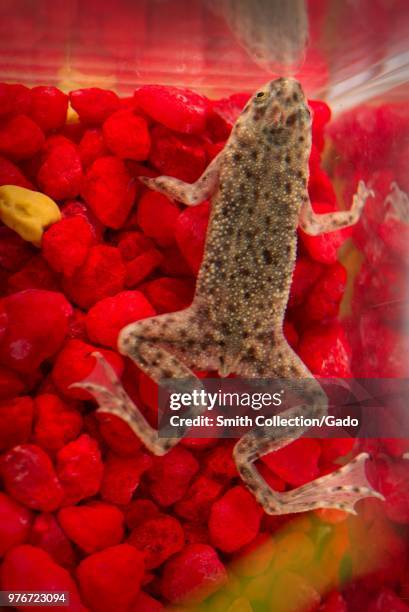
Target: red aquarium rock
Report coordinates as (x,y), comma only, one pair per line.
(16,419)
(177,108)
(108,316)
(20,137)
(234,520)
(110,580)
(30,569)
(48,107)
(79,469)
(109,190)
(94,105)
(29,477)
(29,340)
(15,523)
(92,527)
(127,136)
(193,574)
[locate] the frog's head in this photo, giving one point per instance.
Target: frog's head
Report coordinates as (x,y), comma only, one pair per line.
(276,112)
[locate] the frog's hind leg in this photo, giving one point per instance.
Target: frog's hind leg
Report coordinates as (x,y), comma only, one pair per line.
(166,348)
(341,489)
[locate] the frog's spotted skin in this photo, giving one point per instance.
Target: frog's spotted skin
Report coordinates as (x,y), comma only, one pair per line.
(258,186)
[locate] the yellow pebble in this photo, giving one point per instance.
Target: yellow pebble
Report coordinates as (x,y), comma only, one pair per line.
(27,212)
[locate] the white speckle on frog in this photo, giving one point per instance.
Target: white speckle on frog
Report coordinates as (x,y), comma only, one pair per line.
(258,189)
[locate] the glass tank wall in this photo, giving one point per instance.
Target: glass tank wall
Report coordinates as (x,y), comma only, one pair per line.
(206,544)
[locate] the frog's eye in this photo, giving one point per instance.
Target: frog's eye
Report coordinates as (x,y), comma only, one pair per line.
(261,97)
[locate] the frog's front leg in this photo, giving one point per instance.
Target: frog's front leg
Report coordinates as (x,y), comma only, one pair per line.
(341,489)
(190,194)
(315,224)
(165,347)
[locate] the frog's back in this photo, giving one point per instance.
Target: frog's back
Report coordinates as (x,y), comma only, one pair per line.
(251,243)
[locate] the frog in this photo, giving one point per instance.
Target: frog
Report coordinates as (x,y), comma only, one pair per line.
(258,189)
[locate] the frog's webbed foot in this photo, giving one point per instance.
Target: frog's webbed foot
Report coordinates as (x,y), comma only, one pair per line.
(341,489)
(107,390)
(166,347)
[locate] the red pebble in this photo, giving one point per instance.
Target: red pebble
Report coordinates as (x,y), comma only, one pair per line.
(190,234)
(14,98)
(30,569)
(15,523)
(193,574)
(324,248)
(60,174)
(139,511)
(158,538)
(75,363)
(92,145)
(101,275)
(334,603)
(16,416)
(326,351)
(29,477)
(142,266)
(169,294)
(20,137)
(127,135)
(66,244)
(320,189)
(75,207)
(118,435)
(11,175)
(296,463)
(306,273)
(145,603)
(321,114)
(324,299)
(94,105)
(290,334)
(173,263)
(219,462)
(108,316)
(122,476)
(334,448)
(170,475)
(224,114)
(132,243)
(387,601)
(48,107)
(11,384)
(93,526)
(109,190)
(153,206)
(199,498)
(48,535)
(177,108)
(393,484)
(28,339)
(79,469)
(110,580)
(177,155)
(36,274)
(56,422)
(14,251)
(234,520)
